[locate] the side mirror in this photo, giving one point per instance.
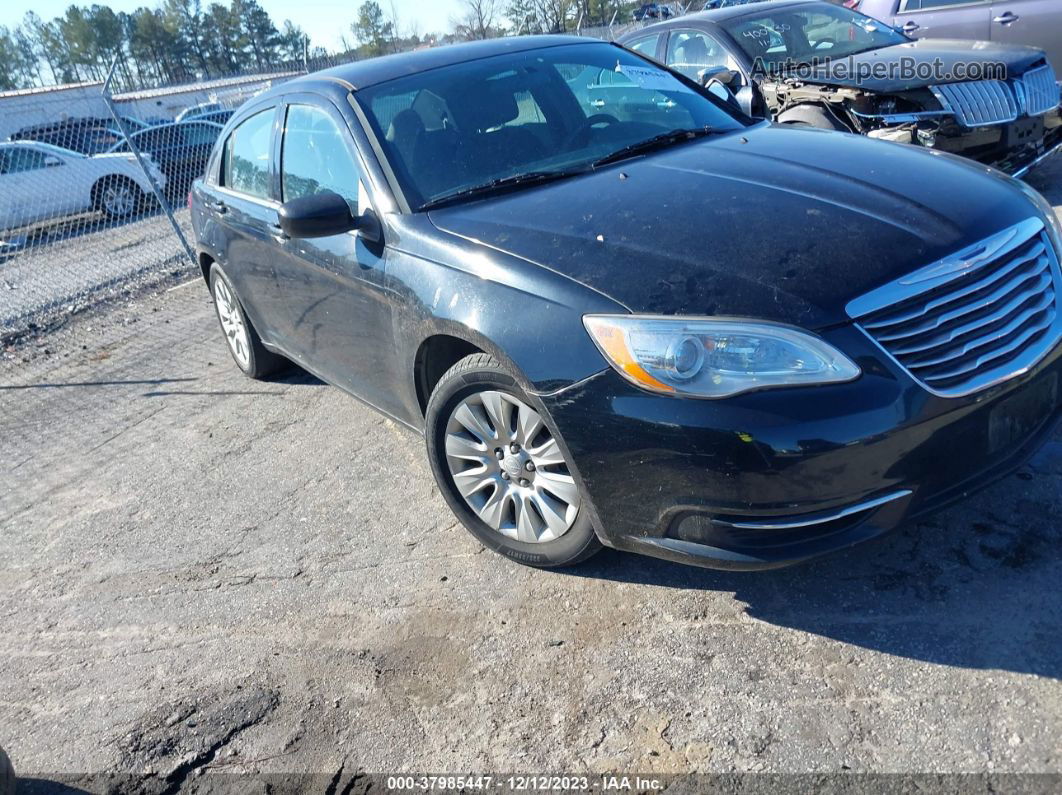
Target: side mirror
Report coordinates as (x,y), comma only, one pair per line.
(323,215)
(51,161)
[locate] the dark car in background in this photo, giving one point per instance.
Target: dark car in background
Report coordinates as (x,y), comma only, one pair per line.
(216,116)
(88,136)
(1037,23)
(799,62)
(180,150)
(692,335)
(650,11)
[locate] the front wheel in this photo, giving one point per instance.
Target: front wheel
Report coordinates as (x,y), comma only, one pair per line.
(502,469)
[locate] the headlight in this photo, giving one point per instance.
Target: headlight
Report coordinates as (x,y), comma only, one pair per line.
(714,358)
(1054,228)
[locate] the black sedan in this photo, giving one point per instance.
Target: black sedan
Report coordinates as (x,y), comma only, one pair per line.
(180,149)
(663,327)
(815,64)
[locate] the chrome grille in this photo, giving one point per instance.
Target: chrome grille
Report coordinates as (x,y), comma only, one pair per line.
(979,103)
(974,319)
(1041,90)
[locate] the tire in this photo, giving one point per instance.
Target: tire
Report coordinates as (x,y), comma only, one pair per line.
(479,380)
(243,342)
(7,775)
(118,197)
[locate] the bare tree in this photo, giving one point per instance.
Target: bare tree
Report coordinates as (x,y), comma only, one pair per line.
(479,21)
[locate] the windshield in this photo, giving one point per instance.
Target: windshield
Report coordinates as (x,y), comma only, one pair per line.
(803,34)
(558,109)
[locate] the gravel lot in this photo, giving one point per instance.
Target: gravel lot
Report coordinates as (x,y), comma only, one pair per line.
(85,262)
(201,572)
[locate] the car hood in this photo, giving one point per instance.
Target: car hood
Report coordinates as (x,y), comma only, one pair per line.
(886,63)
(776,223)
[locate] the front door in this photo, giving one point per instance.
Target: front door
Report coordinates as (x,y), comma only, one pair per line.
(1037,23)
(944,19)
(339,306)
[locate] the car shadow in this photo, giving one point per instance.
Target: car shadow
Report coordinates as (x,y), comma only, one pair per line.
(43,786)
(974,587)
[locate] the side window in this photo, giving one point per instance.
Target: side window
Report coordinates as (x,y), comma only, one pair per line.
(691,52)
(317,156)
(928,5)
(246,158)
(148,140)
(25,160)
(646,45)
(197,134)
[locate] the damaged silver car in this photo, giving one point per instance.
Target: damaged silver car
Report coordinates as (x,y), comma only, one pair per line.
(815,64)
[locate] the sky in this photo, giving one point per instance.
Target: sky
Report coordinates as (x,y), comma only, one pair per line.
(324,20)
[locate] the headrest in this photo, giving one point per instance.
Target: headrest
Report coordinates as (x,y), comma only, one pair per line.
(484,106)
(405,125)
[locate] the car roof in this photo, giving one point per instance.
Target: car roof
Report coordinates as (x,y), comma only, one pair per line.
(373,71)
(181,123)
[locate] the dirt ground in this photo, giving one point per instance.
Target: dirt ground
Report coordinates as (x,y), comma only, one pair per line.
(202,572)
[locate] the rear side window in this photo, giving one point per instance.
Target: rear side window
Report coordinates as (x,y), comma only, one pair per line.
(23,160)
(245,168)
(646,45)
(926,5)
(317,157)
(198,134)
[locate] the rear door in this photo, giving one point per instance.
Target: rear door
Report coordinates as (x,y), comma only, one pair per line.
(245,206)
(1037,23)
(339,305)
(39,186)
(945,19)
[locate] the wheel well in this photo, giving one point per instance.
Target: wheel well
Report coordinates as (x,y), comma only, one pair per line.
(437,355)
(814,113)
(205,261)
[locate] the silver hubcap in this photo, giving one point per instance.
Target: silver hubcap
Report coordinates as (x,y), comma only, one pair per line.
(510,469)
(118,199)
(232,323)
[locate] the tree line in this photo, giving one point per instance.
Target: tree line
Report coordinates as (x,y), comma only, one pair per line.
(184,40)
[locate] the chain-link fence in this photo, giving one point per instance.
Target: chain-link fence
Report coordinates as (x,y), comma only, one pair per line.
(93,190)
(93,186)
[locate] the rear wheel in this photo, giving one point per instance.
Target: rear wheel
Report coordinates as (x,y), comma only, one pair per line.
(502,468)
(246,347)
(119,197)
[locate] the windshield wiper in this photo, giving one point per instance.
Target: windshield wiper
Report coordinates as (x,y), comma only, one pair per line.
(656,142)
(500,184)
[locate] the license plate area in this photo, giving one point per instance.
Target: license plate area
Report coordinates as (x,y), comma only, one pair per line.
(1024,132)
(1016,418)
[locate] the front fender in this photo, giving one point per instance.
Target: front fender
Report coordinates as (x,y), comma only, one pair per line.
(522,314)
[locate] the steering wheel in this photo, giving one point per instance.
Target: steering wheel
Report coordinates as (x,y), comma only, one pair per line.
(584,127)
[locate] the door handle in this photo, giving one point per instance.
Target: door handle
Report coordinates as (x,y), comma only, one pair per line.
(911,27)
(277,231)
(1007,18)
(218,207)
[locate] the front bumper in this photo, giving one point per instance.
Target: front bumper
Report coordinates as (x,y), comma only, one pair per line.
(1014,148)
(777,477)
